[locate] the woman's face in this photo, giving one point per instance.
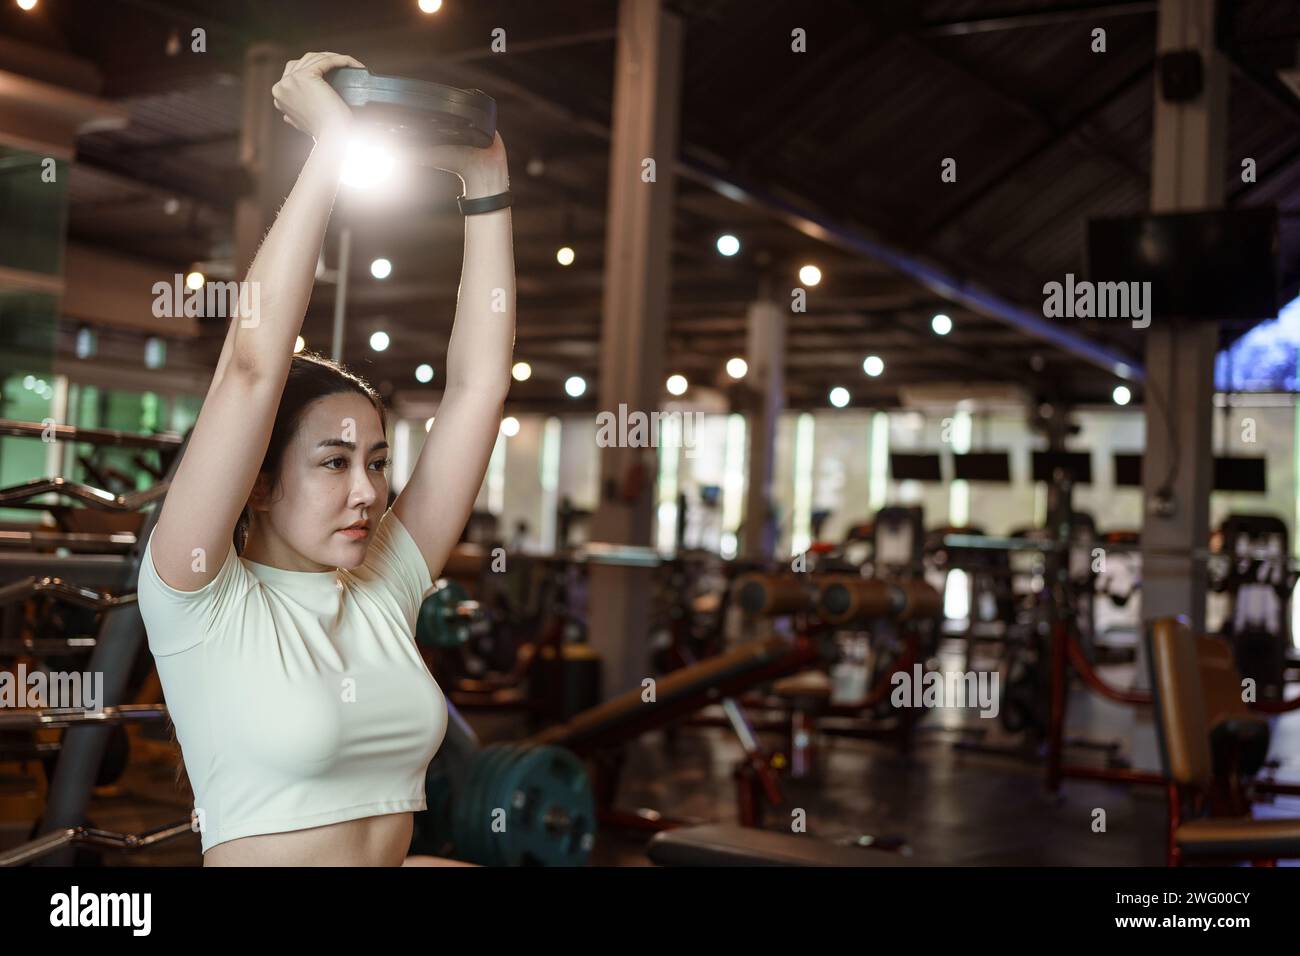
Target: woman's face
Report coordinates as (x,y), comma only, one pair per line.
(334,473)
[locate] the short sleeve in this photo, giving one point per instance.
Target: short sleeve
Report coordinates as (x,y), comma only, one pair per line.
(396,563)
(176,621)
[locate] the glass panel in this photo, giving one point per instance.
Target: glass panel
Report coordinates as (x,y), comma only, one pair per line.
(33,211)
(28,397)
(27,323)
(118,470)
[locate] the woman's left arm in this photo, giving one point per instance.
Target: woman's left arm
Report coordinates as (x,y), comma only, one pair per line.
(437,500)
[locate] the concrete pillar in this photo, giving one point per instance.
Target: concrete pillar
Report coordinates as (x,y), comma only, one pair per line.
(1187,173)
(765,353)
(637,258)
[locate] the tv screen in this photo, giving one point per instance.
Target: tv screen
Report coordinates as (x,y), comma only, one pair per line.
(983,466)
(915,467)
(1230,474)
(1240,474)
(1128,471)
(1216,264)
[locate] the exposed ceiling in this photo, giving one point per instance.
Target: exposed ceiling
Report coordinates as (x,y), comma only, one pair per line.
(848,136)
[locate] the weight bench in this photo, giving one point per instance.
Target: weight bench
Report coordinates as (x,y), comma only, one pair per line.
(600,732)
(1185,749)
(678,695)
(724,845)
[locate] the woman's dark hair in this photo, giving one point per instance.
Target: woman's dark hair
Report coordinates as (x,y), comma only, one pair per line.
(311,376)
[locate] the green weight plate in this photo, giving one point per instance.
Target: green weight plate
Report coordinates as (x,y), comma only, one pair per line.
(434,825)
(437,624)
(502,795)
(462,809)
(497,793)
(468,815)
(565,788)
(474,813)
(552,811)
(424,621)
(475,840)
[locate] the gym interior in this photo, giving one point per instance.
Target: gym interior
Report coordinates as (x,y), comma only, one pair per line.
(901,461)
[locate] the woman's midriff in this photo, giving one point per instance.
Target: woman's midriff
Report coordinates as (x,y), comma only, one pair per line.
(370,841)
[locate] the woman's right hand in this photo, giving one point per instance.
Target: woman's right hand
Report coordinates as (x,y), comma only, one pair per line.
(308,102)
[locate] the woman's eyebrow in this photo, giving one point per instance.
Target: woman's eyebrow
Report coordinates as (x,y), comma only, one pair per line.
(350,445)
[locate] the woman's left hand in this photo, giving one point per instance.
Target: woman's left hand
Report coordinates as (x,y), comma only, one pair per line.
(483,170)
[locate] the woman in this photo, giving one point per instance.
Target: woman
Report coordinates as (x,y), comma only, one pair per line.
(279,595)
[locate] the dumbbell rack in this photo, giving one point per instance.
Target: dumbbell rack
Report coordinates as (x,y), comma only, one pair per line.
(113,652)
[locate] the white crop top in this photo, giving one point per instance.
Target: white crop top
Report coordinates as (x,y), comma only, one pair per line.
(299,698)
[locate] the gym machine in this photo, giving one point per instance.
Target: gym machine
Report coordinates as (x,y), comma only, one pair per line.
(1045,688)
(1255,571)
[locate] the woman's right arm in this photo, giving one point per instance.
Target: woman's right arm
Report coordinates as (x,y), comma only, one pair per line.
(214,478)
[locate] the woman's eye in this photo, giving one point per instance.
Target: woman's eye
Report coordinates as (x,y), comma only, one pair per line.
(383,463)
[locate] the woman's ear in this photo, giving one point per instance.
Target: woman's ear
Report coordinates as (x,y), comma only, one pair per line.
(257,498)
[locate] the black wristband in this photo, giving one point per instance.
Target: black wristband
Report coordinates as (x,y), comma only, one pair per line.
(470,207)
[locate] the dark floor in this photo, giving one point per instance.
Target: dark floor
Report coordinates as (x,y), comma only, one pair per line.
(951,807)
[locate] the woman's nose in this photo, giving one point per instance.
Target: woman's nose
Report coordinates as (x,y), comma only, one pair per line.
(363,489)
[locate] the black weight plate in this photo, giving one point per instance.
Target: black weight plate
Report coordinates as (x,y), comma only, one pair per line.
(418,109)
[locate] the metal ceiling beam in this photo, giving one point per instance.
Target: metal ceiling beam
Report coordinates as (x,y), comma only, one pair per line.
(929,274)
(830,69)
(484,51)
(1284,165)
(1007,95)
(816,225)
(988,185)
(220,196)
(189,18)
(178,144)
(1267,85)
(1051,16)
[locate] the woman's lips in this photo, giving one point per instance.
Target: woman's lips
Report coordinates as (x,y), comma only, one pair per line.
(355,533)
